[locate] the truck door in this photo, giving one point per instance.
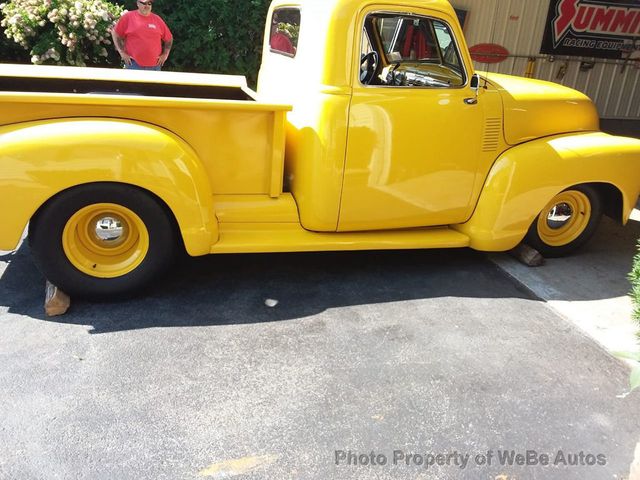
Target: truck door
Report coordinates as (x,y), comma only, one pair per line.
(415,125)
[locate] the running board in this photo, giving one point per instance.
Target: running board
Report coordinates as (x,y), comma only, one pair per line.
(291,237)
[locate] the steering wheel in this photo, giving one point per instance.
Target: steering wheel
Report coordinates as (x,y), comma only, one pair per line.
(368,67)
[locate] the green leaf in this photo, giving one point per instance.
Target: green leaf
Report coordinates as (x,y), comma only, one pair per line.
(628,355)
(634,380)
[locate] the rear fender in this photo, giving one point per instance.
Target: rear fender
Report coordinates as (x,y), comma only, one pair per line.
(41,159)
(526,177)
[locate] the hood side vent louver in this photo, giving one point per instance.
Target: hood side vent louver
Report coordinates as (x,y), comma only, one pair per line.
(491,137)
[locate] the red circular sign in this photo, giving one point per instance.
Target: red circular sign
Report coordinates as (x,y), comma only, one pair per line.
(489,53)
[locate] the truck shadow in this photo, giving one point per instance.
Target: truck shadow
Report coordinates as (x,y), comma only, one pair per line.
(238,289)
(254,288)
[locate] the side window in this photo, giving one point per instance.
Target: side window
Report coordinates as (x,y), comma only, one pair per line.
(447,45)
(411,51)
(285,28)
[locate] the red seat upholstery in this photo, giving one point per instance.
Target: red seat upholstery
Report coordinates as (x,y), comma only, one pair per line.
(416,40)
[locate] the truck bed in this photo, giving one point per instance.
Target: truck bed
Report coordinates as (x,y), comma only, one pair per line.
(239,139)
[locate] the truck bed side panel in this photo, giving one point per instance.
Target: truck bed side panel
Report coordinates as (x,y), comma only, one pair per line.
(237,142)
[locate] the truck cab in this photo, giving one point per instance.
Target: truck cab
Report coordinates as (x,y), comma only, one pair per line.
(388,128)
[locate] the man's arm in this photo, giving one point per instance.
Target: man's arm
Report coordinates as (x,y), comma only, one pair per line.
(118,42)
(166,48)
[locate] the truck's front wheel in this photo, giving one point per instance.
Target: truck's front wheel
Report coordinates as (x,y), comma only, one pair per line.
(102,240)
(566,222)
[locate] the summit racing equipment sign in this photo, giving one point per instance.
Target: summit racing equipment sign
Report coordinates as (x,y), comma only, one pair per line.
(592,28)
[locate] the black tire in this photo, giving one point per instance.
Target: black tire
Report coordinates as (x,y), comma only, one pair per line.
(153,242)
(585,206)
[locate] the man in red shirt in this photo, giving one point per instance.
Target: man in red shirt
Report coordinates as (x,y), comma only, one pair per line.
(142,38)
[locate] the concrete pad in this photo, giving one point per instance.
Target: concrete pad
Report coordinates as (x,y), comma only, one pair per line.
(589,288)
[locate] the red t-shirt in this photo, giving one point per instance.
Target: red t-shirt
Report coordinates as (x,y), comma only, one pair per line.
(143,36)
(281,43)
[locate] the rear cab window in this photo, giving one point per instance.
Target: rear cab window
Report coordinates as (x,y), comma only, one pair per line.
(285,29)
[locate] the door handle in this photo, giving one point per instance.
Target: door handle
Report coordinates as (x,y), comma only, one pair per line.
(471,101)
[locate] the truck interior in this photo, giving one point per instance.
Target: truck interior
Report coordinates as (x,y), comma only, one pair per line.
(409,51)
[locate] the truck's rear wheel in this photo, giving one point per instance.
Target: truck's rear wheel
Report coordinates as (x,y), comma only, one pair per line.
(566,222)
(102,240)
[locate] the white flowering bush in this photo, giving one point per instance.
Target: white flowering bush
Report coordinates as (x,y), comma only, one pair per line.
(62,32)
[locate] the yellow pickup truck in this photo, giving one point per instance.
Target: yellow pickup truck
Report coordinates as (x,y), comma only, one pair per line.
(369,130)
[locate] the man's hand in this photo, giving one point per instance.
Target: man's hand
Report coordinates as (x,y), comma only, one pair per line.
(162,58)
(126,58)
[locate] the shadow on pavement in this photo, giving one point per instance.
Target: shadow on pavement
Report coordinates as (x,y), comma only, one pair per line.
(233,289)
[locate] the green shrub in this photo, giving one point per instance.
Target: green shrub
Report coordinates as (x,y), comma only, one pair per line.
(634,278)
(66,32)
(222,36)
(11,52)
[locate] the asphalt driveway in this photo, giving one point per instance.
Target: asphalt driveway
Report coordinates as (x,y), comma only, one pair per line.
(302,366)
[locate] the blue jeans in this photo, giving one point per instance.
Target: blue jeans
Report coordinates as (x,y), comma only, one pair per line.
(134,66)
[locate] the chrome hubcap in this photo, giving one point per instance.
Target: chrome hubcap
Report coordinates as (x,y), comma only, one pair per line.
(109,230)
(559,215)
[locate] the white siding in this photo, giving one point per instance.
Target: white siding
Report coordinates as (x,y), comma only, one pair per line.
(518,25)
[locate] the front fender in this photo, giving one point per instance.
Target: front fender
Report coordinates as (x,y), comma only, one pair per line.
(41,159)
(526,177)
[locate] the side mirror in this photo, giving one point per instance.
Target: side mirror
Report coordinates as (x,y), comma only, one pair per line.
(475,86)
(475,83)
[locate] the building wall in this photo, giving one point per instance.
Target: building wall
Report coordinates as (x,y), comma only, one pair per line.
(518,25)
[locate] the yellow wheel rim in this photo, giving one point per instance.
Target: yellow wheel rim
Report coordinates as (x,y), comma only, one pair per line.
(564,218)
(105,240)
